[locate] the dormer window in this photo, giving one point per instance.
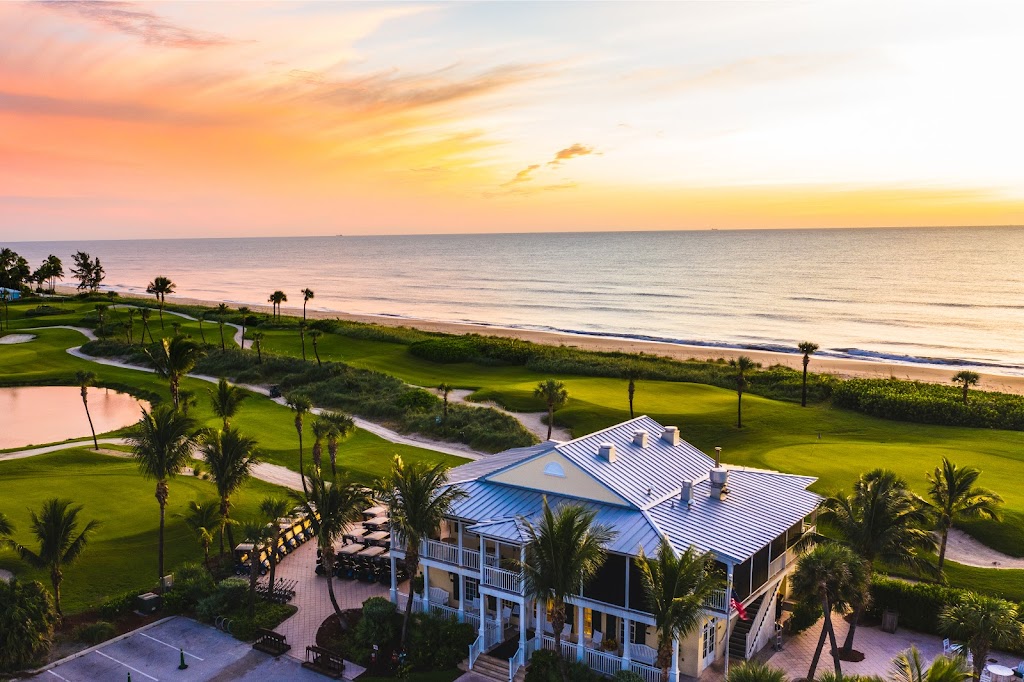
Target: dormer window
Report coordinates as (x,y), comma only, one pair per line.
(554,469)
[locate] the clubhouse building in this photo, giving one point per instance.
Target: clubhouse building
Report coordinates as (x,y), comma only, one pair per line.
(644,483)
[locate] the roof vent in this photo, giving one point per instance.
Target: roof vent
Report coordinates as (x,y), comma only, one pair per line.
(718,457)
(719,479)
(640,438)
(686,493)
(670,435)
(606,451)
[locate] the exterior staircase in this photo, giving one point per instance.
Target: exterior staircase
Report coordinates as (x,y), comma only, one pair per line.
(496,669)
(738,638)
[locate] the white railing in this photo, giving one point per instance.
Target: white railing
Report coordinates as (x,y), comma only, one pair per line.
(760,619)
(492,633)
(568,648)
(475,649)
(515,662)
(717,601)
(648,672)
(473,618)
(777,565)
(444,611)
(531,646)
(602,661)
(403,599)
(441,551)
(470,558)
(503,579)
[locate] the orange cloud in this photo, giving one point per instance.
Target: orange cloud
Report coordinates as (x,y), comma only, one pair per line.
(570,153)
(132,19)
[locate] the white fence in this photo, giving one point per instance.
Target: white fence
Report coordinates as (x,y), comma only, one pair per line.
(603,662)
(509,581)
(475,649)
(648,672)
(718,601)
(441,551)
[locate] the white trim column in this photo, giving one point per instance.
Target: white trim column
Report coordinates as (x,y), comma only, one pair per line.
(462,596)
(483,620)
(426,589)
(626,653)
(394,580)
(728,616)
(673,672)
(522,623)
(579,630)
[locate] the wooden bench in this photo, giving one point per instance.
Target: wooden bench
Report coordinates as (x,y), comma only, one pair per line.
(325,662)
(270,642)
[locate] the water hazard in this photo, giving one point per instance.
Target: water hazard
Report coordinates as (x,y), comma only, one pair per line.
(36,415)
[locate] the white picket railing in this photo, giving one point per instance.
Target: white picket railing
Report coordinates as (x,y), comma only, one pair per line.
(444,610)
(648,672)
(718,601)
(503,579)
(492,634)
(515,662)
(568,648)
(531,646)
(470,558)
(440,551)
(475,649)
(602,661)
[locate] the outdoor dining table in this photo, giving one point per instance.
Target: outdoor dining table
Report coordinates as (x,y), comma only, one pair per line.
(371,552)
(1000,673)
(377,537)
(353,548)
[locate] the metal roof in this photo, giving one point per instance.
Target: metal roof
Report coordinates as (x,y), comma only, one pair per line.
(760,506)
(512,530)
(492,463)
(659,468)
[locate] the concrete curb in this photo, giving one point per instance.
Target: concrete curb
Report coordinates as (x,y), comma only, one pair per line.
(84,652)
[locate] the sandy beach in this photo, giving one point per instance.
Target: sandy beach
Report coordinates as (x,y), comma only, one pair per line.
(841,367)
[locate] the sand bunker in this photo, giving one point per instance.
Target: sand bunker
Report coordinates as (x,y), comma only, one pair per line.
(16,338)
(5,576)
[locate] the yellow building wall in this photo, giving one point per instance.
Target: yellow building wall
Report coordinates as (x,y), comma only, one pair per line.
(575,483)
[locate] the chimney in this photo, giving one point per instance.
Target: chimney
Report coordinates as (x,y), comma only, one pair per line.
(606,451)
(670,435)
(719,480)
(718,457)
(686,494)
(640,438)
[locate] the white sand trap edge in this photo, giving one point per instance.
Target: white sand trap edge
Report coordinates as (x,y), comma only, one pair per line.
(16,338)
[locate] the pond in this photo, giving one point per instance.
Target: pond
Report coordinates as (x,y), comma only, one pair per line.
(33,415)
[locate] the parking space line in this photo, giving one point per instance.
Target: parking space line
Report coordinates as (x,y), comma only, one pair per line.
(58,676)
(134,670)
(158,641)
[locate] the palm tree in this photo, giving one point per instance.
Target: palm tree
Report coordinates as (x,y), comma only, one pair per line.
(54,527)
(6,527)
(272,509)
(145,314)
(832,575)
(675,588)
(883,520)
(444,389)
(332,505)
(302,336)
(966,379)
(908,667)
(101,318)
(162,443)
(174,359)
(984,623)
(230,457)
(564,551)
(84,381)
(307,294)
(554,395)
(277,298)
(259,533)
(222,311)
(226,400)
(808,349)
(321,427)
(244,312)
(631,375)
(257,342)
(314,336)
(743,364)
(200,318)
(341,426)
(130,326)
(176,326)
(204,520)
(418,497)
(300,406)
(952,497)
(756,671)
(160,287)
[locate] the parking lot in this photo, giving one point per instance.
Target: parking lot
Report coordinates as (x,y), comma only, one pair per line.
(154,654)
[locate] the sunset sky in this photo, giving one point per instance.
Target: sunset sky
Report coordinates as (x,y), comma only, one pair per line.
(158,119)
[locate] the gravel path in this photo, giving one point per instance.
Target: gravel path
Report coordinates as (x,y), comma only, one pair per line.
(963,549)
(533,421)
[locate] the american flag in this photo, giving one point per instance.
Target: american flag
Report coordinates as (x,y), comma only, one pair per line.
(738,607)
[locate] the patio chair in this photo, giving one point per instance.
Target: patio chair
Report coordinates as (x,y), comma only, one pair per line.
(567,631)
(506,614)
(642,653)
(595,641)
(1019,670)
(547,628)
(947,648)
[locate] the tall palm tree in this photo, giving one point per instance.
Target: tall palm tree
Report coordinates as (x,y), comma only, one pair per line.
(314,336)
(162,443)
(444,389)
(909,667)
(300,406)
(882,520)
(273,508)
(966,379)
(832,575)
(84,381)
(204,519)
(952,497)
(145,315)
(631,375)
(554,395)
(807,349)
(160,287)
(230,458)
(222,311)
(321,427)
(176,326)
(418,497)
(54,527)
(302,336)
(277,298)
(307,295)
(257,342)
(984,623)
(332,505)
(259,533)
(200,318)
(742,364)
(341,426)
(101,318)
(173,359)
(130,326)
(675,588)
(226,400)
(564,551)
(244,312)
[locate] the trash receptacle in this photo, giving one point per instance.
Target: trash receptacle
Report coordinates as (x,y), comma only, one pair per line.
(890,620)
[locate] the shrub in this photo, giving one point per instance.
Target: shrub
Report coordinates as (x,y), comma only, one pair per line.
(97,632)
(116,606)
(544,667)
(192,582)
(378,625)
(756,671)
(578,671)
(437,643)
(268,616)
(918,604)
(229,595)
(44,310)
(626,676)
(805,614)
(27,619)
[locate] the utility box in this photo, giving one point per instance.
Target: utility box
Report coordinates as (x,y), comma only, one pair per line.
(890,620)
(147,603)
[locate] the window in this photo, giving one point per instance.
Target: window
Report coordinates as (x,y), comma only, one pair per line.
(637,632)
(707,639)
(554,469)
(472,589)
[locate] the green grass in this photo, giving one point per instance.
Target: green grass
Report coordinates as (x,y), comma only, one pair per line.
(122,554)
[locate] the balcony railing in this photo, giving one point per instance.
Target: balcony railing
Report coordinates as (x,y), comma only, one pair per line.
(603,662)
(509,581)
(441,551)
(470,558)
(717,601)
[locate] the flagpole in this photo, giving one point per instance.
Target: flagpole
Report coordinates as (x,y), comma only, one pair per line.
(728,617)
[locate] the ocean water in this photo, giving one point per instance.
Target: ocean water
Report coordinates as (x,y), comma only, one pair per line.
(935,296)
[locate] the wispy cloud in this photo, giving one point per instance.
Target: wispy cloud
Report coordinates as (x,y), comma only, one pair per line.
(570,153)
(522,176)
(136,20)
(42,105)
(561,156)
